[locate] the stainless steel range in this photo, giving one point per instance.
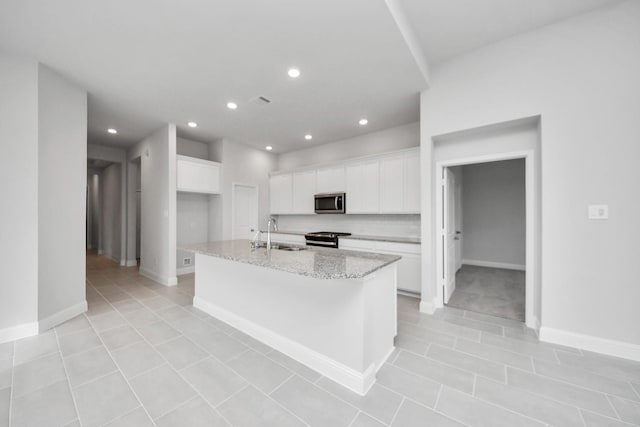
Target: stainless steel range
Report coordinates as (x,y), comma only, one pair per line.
(326,239)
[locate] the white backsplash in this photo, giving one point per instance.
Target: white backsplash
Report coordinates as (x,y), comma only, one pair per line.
(373,225)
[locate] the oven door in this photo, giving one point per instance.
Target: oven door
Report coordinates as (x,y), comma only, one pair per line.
(330,203)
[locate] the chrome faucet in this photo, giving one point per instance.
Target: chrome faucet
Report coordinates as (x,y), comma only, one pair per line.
(273,221)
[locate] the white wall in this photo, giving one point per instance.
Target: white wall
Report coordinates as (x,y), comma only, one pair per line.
(192,224)
(19,189)
(62,169)
(493,220)
(111,212)
(580,76)
(392,139)
(158,204)
(371,225)
(245,165)
(187,147)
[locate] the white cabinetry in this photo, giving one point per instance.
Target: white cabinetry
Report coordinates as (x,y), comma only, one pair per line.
(280,193)
(331,179)
(400,183)
(304,187)
(363,187)
(409,266)
(197,175)
(381,184)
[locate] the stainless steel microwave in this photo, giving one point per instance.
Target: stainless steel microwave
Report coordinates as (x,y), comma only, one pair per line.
(334,203)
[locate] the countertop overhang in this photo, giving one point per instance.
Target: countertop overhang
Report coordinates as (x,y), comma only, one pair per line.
(320,263)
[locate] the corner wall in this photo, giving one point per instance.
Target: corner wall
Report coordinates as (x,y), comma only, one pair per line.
(589,108)
(62,171)
(19,189)
(158,204)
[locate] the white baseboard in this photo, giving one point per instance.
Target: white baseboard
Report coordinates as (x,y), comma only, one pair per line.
(534,324)
(132,263)
(589,342)
(428,307)
(170,281)
(185,270)
(17,332)
(61,316)
(353,380)
(100,251)
(492,264)
(408,293)
(123,262)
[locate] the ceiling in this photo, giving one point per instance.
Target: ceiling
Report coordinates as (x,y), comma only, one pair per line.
(145,63)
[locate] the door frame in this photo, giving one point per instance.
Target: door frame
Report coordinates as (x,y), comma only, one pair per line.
(234,185)
(531,269)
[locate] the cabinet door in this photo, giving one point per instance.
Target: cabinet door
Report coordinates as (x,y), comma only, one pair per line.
(412,183)
(392,184)
(197,176)
(409,273)
(304,187)
(331,179)
(362,187)
(280,193)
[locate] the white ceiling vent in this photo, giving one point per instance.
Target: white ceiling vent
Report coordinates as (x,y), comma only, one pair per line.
(260,100)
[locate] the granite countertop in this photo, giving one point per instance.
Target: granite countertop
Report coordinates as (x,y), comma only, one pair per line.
(321,263)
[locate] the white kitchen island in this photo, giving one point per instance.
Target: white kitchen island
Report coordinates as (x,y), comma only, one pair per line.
(330,309)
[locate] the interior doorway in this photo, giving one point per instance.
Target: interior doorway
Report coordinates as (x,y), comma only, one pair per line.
(244,200)
(484,244)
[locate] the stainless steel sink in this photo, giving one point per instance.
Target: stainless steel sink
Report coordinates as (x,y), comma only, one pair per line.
(291,248)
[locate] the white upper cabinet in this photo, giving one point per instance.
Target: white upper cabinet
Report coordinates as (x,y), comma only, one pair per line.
(197,175)
(331,179)
(392,184)
(363,187)
(304,187)
(280,193)
(412,182)
(400,183)
(387,183)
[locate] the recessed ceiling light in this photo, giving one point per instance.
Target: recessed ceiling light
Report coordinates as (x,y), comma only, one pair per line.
(268,148)
(293,73)
(192,124)
(232,105)
(112,130)
(308,137)
(363,122)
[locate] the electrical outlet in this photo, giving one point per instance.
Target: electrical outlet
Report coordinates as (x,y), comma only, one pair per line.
(598,212)
(186,261)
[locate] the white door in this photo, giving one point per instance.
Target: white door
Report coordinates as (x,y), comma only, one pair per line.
(245,211)
(458,214)
(449,234)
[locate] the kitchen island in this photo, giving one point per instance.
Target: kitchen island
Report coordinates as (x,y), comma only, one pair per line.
(330,309)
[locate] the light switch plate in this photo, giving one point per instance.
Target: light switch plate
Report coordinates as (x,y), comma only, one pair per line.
(598,211)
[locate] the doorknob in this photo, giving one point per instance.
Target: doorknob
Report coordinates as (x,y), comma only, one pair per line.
(458,232)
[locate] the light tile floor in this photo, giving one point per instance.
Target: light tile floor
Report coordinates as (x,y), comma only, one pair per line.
(143,356)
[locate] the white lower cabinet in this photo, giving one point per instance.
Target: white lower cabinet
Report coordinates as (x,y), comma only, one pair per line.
(409,267)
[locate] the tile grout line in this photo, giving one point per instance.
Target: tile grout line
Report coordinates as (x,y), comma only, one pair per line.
(66,374)
(397,411)
(122,373)
(13,371)
(615,411)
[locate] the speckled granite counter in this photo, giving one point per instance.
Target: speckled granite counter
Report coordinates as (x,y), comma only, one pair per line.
(319,263)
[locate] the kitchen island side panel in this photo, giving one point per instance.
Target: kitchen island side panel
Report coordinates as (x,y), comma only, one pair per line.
(344,328)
